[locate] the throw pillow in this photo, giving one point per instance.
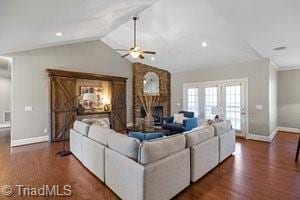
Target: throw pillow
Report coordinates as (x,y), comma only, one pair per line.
(178,118)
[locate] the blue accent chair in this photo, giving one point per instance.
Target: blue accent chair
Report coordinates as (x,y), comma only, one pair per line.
(174,128)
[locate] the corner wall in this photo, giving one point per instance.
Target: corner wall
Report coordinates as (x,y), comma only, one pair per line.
(289,98)
(30,81)
(273,88)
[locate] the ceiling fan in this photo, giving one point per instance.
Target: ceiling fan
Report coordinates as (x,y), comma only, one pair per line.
(135,52)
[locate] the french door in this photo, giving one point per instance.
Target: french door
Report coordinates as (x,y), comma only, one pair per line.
(233,103)
(228,97)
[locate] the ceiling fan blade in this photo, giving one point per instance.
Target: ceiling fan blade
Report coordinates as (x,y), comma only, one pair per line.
(141,56)
(125,55)
(149,52)
(121,49)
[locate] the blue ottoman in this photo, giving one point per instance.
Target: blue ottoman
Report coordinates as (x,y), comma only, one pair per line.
(145,136)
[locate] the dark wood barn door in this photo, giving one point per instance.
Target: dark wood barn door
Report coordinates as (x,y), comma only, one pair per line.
(62,90)
(118,115)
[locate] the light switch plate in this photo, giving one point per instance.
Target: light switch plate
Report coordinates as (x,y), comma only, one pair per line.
(259,107)
(28,108)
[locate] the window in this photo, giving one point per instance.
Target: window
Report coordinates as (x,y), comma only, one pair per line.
(193,100)
(211,100)
(233,105)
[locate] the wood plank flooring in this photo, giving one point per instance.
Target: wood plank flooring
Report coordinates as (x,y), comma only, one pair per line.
(257,170)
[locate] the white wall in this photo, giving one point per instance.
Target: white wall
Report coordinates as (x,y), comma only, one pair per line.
(30,81)
(273,79)
(257,73)
(4,96)
(289,98)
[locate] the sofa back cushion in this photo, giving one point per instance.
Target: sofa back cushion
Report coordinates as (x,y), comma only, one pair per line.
(198,135)
(123,144)
(81,127)
(99,134)
(187,114)
(154,150)
(222,127)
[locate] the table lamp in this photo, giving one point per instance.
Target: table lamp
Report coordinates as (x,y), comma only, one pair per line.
(106,102)
(217,110)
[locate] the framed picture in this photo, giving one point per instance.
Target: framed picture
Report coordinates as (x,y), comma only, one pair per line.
(97,104)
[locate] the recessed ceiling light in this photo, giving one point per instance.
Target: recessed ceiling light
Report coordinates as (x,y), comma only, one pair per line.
(58,34)
(152,58)
(279,48)
(204,44)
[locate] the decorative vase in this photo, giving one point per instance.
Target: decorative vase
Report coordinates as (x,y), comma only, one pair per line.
(149,123)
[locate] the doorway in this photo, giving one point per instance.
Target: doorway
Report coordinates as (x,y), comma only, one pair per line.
(5,97)
(229,97)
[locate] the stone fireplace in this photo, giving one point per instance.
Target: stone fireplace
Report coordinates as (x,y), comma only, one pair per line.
(163,107)
(157,115)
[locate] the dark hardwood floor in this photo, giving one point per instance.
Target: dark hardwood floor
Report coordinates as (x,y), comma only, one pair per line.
(256,171)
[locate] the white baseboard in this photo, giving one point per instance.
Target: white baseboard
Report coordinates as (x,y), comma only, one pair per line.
(26,141)
(273,134)
(263,138)
(288,129)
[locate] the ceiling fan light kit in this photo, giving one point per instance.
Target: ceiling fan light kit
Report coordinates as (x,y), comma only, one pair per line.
(135,52)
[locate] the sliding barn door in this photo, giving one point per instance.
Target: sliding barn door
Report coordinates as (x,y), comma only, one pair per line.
(62,90)
(118,115)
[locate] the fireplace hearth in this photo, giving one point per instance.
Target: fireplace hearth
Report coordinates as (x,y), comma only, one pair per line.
(157,115)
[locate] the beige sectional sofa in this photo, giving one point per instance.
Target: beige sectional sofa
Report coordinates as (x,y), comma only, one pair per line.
(156,169)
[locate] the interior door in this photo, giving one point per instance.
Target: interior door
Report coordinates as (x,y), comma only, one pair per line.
(63,89)
(233,102)
(118,115)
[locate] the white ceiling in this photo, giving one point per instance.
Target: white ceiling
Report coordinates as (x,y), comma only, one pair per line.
(236,31)
(33,23)
(176,30)
(266,24)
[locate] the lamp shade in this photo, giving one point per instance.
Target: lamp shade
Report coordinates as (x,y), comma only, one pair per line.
(89,97)
(217,110)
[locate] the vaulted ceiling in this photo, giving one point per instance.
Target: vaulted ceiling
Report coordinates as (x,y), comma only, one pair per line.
(235,31)
(33,24)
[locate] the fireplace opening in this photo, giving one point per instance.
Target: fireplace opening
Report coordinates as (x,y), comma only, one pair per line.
(157,115)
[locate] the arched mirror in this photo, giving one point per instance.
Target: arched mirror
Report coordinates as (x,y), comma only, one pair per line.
(151,84)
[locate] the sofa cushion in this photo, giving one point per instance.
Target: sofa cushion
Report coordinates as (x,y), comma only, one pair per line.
(145,136)
(190,123)
(187,114)
(81,127)
(99,134)
(222,127)
(123,144)
(198,135)
(154,150)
